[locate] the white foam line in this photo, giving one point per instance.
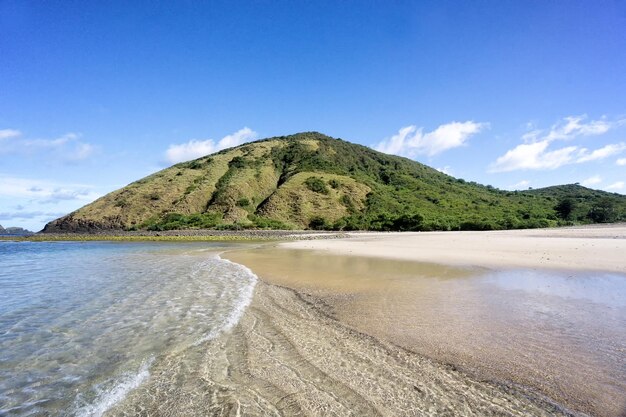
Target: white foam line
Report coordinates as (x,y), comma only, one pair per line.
(244,300)
(109,398)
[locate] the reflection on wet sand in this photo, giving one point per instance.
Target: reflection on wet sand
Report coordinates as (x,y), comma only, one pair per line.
(562,334)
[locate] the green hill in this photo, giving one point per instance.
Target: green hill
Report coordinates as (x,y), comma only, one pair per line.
(312,181)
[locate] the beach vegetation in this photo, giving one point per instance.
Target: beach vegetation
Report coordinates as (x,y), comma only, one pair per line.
(176,221)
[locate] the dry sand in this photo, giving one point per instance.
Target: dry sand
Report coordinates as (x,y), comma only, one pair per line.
(600,248)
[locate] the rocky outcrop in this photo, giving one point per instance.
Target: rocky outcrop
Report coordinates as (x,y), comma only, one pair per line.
(71,224)
(15,231)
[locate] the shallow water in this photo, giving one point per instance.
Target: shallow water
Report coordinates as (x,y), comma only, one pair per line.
(561,333)
(82,324)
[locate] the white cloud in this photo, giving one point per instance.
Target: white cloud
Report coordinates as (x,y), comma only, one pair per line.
(533,156)
(397,144)
(534,153)
(51,143)
(81,151)
(621,162)
(44,191)
(9,133)
(619,185)
(12,215)
(601,153)
(573,126)
(411,141)
(446,170)
(67,147)
(596,179)
(198,148)
(520,185)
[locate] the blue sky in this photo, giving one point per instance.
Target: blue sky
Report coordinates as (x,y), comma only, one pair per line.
(516,94)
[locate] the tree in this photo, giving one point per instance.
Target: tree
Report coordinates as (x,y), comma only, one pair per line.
(603,211)
(565,208)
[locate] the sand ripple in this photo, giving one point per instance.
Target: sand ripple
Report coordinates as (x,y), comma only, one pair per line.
(288,357)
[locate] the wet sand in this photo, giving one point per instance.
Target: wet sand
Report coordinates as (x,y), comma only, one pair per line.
(289,357)
(560,334)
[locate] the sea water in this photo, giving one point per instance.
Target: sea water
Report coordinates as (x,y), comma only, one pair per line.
(81,324)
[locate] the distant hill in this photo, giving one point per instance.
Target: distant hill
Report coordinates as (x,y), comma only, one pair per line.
(14,231)
(312,181)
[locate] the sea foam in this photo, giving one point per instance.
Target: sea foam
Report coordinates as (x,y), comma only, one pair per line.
(240,305)
(123,385)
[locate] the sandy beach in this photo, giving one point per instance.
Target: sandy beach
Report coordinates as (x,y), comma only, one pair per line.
(361,326)
(600,248)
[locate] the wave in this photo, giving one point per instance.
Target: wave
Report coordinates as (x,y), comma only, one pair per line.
(245,297)
(109,397)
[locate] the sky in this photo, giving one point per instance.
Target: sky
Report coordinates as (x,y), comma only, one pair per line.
(514,94)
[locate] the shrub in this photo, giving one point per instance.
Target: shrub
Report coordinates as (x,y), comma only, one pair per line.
(347,202)
(195,165)
(316,184)
(121,203)
(237,162)
(318,223)
(340,224)
(243,202)
(408,222)
(334,183)
(174,221)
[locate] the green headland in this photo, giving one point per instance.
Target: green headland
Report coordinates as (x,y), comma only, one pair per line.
(312,181)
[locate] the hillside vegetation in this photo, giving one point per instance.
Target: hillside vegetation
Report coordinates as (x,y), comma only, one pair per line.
(312,181)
